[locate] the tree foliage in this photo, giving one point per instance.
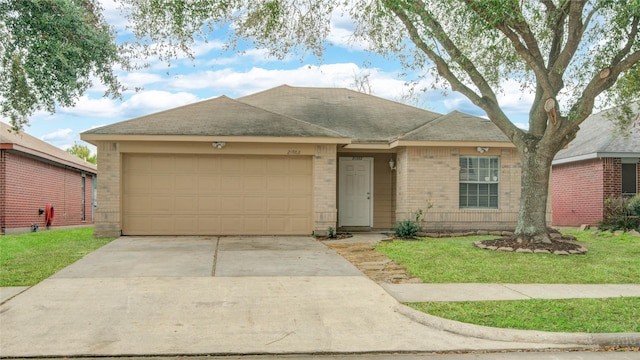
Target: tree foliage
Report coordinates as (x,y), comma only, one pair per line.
(83,152)
(51,49)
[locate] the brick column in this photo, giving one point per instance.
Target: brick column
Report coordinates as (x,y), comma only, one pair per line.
(324,188)
(108,220)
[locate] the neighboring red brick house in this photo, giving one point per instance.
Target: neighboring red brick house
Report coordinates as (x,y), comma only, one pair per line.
(36,177)
(598,164)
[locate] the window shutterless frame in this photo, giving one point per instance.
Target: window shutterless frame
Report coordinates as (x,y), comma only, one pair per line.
(479,182)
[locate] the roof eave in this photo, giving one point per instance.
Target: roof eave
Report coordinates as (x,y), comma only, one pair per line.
(47,157)
(95,138)
(368,146)
(452,143)
(596,155)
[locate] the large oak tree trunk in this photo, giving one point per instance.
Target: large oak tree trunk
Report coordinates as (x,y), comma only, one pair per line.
(532,223)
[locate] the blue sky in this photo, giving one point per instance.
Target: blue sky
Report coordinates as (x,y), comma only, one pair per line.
(216,72)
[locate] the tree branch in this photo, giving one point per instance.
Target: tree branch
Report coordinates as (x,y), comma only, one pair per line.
(486,99)
(529,50)
(574,37)
(599,83)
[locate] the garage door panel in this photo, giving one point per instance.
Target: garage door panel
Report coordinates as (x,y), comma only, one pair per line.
(137,183)
(254,185)
(278,205)
(186,204)
(162,164)
(255,204)
(140,204)
(186,164)
(211,195)
(299,205)
(185,184)
(277,167)
(297,225)
(255,165)
(208,184)
(231,184)
(185,225)
(297,185)
(230,164)
(207,225)
(137,163)
(208,165)
(300,165)
(161,183)
(277,184)
(162,204)
(163,224)
(137,223)
(228,204)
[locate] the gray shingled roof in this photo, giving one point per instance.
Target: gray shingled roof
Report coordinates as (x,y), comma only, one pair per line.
(26,143)
(457,126)
(221,116)
(287,111)
(597,138)
(364,118)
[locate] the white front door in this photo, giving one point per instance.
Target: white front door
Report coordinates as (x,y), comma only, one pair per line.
(355,191)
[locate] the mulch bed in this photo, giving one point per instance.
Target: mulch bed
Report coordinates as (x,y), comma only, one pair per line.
(556,246)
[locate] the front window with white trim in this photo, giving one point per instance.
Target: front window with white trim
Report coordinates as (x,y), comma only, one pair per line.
(479,181)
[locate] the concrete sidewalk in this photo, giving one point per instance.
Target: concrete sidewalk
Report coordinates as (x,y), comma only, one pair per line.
(486,292)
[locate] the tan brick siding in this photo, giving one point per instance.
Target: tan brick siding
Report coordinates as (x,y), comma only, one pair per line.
(430,176)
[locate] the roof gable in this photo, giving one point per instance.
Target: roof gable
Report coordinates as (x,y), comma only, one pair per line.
(220,116)
(457,126)
(25,143)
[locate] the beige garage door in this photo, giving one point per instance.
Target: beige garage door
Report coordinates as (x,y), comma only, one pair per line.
(217,195)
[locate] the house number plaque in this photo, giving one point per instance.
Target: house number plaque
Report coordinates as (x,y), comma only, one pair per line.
(294,152)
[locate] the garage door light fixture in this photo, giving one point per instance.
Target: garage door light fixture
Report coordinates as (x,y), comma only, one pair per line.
(218,144)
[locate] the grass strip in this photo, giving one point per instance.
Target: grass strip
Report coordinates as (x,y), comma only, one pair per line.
(610,259)
(26,259)
(612,315)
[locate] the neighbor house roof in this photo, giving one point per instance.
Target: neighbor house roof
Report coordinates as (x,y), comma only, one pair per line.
(598,138)
(31,146)
(221,116)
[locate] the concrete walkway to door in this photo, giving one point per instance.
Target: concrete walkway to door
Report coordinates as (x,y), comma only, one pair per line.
(228,295)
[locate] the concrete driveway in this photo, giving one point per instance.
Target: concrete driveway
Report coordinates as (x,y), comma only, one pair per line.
(209,295)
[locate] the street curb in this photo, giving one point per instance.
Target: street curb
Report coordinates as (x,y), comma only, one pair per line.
(513,335)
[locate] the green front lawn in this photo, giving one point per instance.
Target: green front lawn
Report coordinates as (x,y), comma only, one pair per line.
(566,315)
(610,260)
(26,259)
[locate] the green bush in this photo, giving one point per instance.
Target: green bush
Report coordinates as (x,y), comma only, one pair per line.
(406,229)
(634,206)
(621,214)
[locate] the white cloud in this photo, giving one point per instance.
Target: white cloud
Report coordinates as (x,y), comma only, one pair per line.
(233,83)
(341,32)
(146,102)
(113,15)
(60,134)
(62,138)
(134,80)
(89,107)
